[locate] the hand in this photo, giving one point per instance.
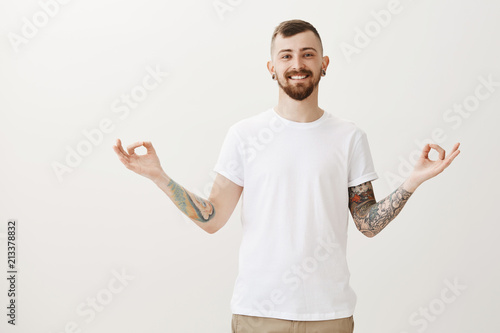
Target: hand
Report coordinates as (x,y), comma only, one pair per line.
(425,168)
(147,165)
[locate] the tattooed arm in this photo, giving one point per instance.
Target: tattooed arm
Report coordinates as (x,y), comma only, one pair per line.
(371,216)
(193,206)
(224,195)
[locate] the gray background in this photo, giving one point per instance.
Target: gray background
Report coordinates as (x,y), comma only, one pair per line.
(101,217)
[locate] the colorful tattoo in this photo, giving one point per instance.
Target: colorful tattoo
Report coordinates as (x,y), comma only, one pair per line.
(371,216)
(192,205)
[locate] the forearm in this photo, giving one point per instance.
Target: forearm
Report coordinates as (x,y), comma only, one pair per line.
(196,208)
(373,218)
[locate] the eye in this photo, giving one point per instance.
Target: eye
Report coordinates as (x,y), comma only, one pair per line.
(285,56)
(309,54)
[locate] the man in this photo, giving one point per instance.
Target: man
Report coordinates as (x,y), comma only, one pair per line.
(299,168)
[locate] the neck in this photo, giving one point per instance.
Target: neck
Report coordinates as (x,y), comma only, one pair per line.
(304,111)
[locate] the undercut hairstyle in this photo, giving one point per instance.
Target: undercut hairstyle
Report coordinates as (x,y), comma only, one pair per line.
(292,27)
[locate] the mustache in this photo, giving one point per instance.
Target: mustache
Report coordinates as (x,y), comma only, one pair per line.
(299,73)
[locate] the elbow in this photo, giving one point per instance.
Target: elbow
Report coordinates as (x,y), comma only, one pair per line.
(364,227)
(368,233)
(215,224)
(212,227)
(211,230)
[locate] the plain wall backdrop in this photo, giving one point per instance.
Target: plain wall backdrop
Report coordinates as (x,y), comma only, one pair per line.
(406,72)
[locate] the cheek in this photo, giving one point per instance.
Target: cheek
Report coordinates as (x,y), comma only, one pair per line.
(280,69)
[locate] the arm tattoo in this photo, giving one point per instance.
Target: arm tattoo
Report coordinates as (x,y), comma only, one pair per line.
(371,216)
(190,204)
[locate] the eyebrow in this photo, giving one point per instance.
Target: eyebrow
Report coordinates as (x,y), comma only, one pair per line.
(302,49)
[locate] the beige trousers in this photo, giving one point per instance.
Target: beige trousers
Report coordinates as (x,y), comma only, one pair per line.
(252,324)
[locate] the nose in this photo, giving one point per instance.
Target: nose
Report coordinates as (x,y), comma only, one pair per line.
(298,63)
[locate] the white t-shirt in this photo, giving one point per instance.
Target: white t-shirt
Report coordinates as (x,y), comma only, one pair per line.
(294,215)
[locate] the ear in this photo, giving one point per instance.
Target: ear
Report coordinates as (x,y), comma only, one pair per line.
(326,61)
(270,67)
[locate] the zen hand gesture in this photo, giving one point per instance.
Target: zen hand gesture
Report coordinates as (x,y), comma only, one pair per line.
(425,168)
(147,165)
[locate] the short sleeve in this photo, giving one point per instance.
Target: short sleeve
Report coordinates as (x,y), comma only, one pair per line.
(361,168)
(230,161)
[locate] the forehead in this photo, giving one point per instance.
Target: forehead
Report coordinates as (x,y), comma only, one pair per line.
(296,42)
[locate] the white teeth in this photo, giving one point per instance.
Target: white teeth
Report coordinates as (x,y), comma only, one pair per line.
(298,77)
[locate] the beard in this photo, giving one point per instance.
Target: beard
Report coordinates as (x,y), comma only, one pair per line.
(302,90)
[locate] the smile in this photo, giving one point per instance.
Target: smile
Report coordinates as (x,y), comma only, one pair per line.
(298,77)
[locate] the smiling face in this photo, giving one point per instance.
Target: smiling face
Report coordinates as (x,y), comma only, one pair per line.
(297,62)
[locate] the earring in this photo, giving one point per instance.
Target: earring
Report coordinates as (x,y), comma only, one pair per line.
(323,72)
(274,76)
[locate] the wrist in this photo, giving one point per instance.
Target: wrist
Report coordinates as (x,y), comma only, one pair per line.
(410,184)
(161,178)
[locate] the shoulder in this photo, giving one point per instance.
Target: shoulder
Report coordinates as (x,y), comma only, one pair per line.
(348,124)
(254,124)
(346,128)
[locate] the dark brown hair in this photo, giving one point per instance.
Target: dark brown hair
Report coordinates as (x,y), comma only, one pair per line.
(292,27)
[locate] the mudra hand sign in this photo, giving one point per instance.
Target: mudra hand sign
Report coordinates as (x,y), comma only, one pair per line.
(147,165)
(426,168)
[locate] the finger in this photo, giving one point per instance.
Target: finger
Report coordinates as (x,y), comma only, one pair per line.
(440,150)
(454,152)
(131,147)
(124,160)
(425,151)
(149,147)
(455,147)
(120,148)
(448,161)
(122,157)
(452,156)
